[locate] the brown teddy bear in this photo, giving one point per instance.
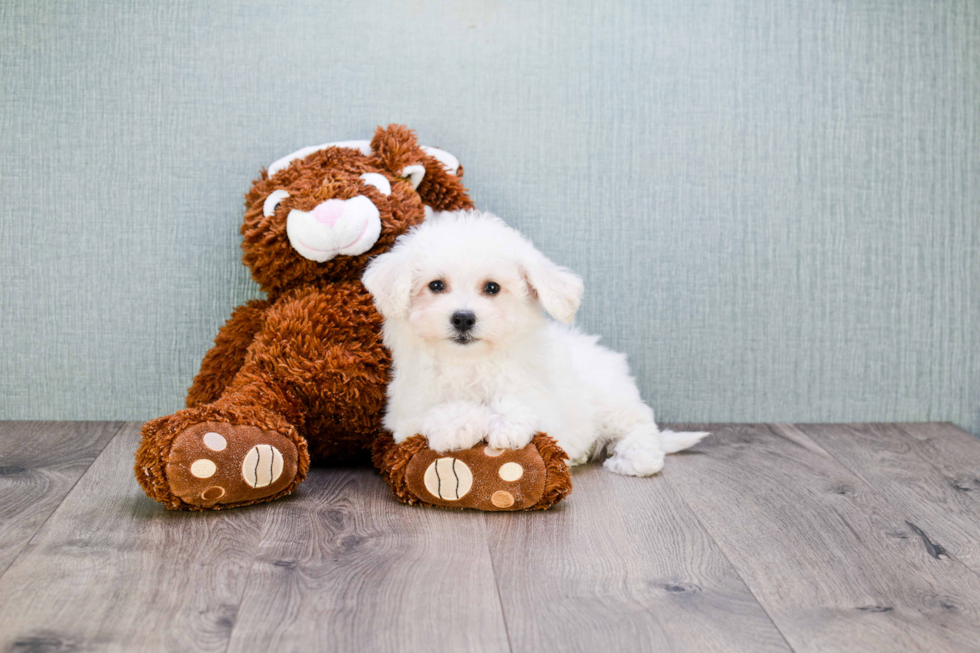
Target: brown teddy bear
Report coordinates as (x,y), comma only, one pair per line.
(301,376)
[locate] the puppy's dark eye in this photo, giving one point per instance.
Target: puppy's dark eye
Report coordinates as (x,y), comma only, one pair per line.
(437,286)
(491,288)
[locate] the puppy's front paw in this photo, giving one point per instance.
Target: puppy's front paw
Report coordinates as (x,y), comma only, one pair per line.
(512,423)
(505,433)
(455,426)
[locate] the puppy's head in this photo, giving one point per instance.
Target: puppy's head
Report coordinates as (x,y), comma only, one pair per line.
(465,283)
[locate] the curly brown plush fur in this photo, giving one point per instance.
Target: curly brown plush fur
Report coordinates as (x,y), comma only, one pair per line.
(306,364)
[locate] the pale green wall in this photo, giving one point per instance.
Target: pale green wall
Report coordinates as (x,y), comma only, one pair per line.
(775,205)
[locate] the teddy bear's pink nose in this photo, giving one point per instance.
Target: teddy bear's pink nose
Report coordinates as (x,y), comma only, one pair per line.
(329,212)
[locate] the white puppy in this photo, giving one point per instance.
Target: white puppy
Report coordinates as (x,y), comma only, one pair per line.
(476,358)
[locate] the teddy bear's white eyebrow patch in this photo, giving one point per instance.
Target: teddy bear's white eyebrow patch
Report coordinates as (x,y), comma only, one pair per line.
(378,181)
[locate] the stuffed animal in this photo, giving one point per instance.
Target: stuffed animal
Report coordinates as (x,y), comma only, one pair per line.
(300,377)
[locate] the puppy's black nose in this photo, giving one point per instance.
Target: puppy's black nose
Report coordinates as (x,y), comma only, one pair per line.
(463,321)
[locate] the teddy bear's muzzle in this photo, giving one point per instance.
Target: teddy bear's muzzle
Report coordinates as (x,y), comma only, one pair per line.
(334,228)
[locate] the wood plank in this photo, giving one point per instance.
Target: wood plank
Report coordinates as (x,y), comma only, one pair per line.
(39,463)
(622,565)
(351,569)
(833,562)
(931,472)
(113,570)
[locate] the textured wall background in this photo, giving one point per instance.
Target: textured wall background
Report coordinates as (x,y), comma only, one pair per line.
(775,204)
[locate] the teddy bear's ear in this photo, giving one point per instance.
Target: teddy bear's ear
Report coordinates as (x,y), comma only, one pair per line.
(397,150)
(449,162)
(442,187)
(435,174)
(389,280)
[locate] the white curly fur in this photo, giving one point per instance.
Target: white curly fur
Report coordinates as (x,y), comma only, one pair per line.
(519,373)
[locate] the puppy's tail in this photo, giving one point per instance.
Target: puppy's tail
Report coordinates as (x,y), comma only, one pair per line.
(673,442)
(641,451)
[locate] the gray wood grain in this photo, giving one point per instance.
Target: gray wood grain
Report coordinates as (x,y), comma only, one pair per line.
(931,472)
(835,564)
(622,565)
(39,463)
(113,571)
(823,538)
(350,569)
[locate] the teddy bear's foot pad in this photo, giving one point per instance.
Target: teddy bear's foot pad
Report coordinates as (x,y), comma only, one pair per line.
(483,478)
(216,463)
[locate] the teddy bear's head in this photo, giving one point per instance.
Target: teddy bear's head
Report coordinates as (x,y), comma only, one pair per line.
(322,212)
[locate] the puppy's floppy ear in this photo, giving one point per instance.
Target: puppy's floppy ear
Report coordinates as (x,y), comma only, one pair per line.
(558,289)
(389,280)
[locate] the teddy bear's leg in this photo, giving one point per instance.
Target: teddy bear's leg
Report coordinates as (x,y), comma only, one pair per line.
(233,452)
(226,357)
(533,478)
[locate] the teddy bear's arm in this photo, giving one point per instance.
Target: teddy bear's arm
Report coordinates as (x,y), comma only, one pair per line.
(225,358)
(318,362)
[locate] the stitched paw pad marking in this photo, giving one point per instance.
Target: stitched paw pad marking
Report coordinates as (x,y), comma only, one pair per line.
(502,499)
(448,478)
(215,441)
(510,472)
(262,466)
(213,493)
(203,468)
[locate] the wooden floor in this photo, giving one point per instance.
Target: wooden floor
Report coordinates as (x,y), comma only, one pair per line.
(762,538)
